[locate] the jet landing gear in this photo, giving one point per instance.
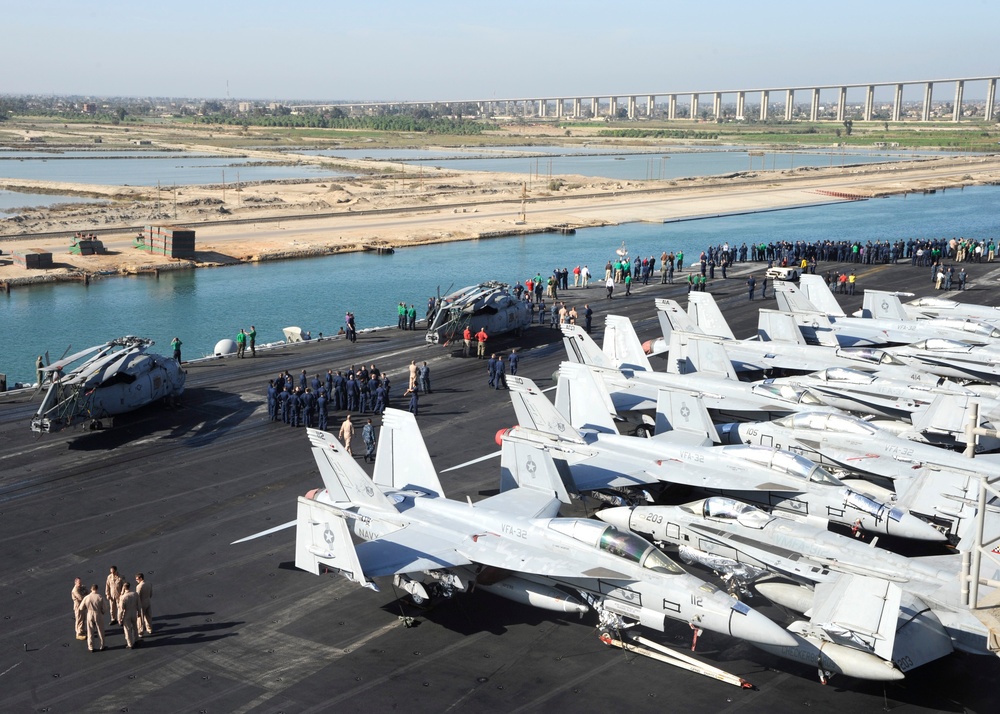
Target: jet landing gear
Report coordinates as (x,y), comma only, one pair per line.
(614,632)
(425,594)
(631,642)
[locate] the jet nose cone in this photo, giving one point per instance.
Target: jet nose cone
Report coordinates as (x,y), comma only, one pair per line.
(903,524)
(618,517)
(748,624)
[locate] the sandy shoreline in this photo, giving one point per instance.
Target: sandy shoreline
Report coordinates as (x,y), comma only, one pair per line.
(298,219)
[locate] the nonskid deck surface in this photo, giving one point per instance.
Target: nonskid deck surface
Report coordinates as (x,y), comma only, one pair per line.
(239,628)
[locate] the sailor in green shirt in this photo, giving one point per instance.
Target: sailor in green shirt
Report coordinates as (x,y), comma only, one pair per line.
(252,339)
(241,343)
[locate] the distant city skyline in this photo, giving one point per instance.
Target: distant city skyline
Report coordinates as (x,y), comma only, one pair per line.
(391,50)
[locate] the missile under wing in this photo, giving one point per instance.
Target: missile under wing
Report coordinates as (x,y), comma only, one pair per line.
(511,544)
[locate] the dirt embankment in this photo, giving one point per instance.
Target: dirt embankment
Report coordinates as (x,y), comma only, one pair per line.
(415,206)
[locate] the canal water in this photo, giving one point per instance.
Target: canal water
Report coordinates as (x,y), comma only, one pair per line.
(138,169)
(12,201)
(205,305)
(664,164)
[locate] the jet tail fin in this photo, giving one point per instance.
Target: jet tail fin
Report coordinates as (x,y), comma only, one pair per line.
(582,349)
(775,326)
(402,460)
(859,611)
(819,294)
(345,481)
(699,353)
(622,346)
(680,414)
(705,313)
(672,317)
(535,411)
(527,465)
(323,538)
(882,304)
(584,400)
(792,299)
(946,414)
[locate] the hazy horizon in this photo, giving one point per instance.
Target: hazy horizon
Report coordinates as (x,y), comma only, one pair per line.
(388,50)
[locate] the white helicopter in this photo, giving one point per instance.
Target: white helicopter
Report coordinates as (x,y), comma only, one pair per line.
(119,377)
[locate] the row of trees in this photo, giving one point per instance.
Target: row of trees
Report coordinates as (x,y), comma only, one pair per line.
(657,134)
(397,122)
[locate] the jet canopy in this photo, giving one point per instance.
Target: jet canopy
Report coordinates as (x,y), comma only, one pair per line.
(784,461)
(844,375)
(933,302)
(980,329)
(873,355)
(940,344)
(827,421)
(621,544)
(729,509)
(787,393)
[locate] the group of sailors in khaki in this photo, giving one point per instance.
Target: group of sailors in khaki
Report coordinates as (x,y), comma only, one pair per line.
(128,607)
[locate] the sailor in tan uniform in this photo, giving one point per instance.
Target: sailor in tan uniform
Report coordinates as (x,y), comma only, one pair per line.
(128,615)
(112,591)
(347,434)
(78,593)
(93,609)
(145,592)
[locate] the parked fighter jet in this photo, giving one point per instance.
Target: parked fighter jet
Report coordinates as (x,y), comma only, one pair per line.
(489,306)
(823,321)
(873,613)
(942,307)
(599,457)
(633,384)
(955,359)
(512,544)
(118,377)
(933,483)
(881,303)
(938,413)
(750,356)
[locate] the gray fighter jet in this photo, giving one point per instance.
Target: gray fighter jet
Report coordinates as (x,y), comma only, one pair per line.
(117,377)
(936,484)
(872,613)
(598,457)
(701,369)
(823,321)
(931,306)
(488,305)
(937,413)
(512,544)
(759,354)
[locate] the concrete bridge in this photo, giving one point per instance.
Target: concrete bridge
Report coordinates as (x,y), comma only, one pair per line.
(822,103)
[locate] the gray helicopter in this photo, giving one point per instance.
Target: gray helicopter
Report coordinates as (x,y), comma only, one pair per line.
(489,306)
(117,377)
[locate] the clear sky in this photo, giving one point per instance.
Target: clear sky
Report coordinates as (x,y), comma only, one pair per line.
(443,49)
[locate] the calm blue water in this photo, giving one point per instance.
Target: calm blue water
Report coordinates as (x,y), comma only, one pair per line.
(667,163)
(151,168)
(206,305)
(129,169)
(16,199)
